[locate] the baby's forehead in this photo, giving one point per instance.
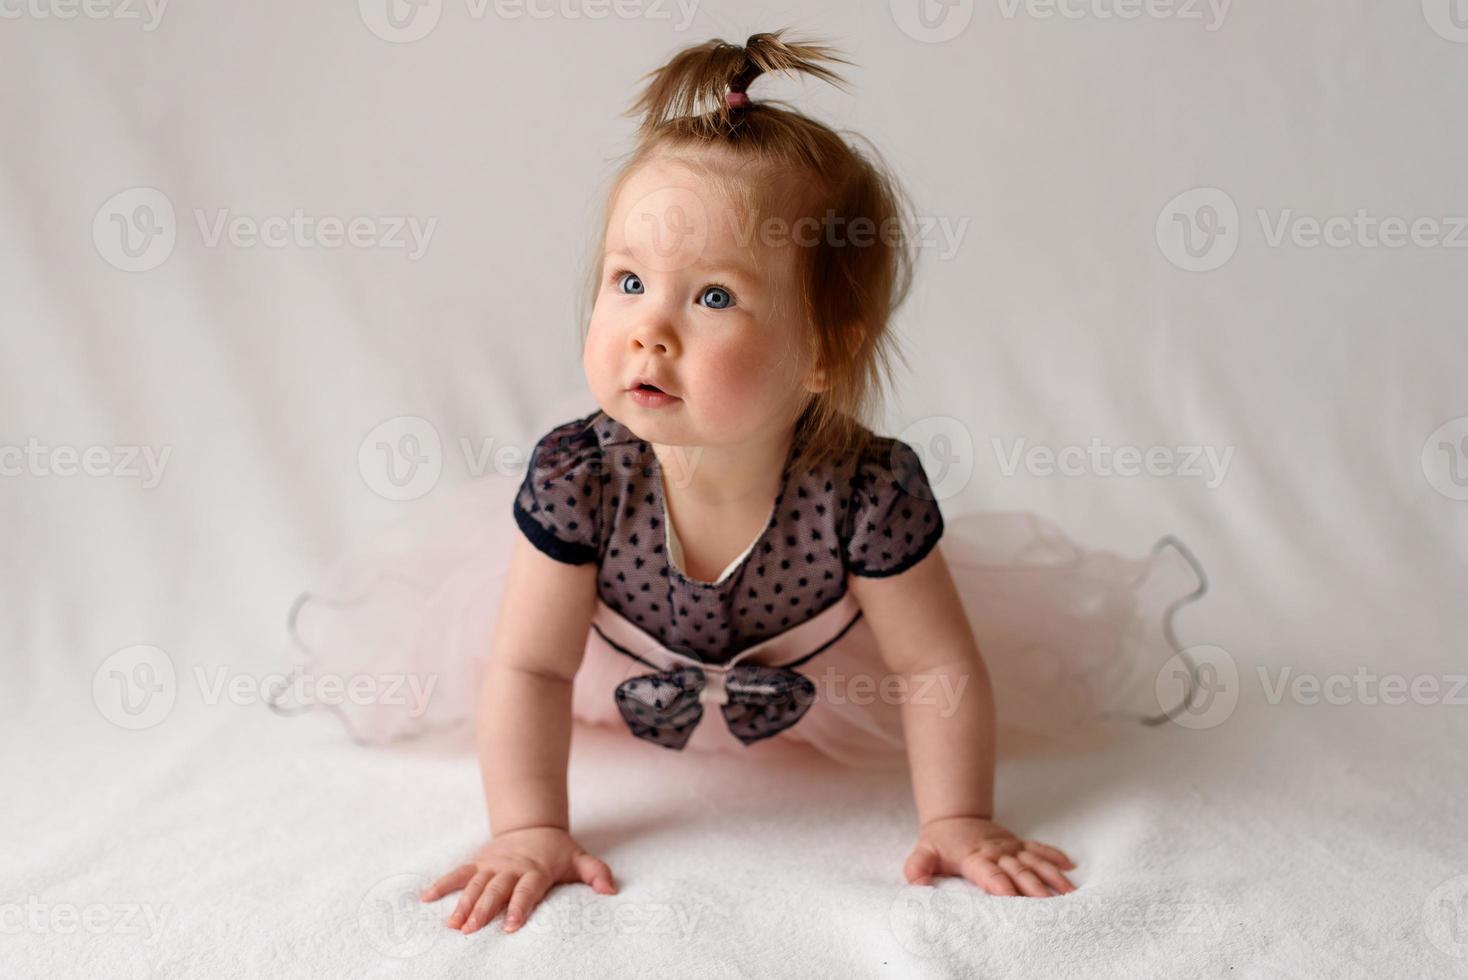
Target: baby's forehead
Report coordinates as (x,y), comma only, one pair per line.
(723,204)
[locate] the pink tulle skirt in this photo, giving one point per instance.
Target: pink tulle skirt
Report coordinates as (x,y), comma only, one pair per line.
(396,638)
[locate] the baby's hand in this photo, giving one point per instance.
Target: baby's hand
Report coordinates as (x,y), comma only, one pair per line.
(989,856)
(517,867)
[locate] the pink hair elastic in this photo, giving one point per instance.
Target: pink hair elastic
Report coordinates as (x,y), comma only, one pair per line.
(736,100)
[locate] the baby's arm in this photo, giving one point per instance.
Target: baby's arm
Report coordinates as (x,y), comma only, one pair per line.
(525,706)
(524,739)
(948,723)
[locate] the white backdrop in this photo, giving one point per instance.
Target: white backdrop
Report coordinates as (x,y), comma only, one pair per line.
(1135,204)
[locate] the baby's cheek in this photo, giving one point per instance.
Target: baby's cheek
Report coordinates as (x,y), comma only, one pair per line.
(741,388)
(598,363)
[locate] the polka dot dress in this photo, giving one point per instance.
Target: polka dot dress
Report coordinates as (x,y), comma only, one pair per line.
(594,493)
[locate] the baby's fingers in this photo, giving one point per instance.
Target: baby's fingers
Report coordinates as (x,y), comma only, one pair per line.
(1052,854)
(594,872)
(921,865)
(472,888)
(1047,872)
(450,882)
(1027,880)
(986,874)
(491,901)
(528,893)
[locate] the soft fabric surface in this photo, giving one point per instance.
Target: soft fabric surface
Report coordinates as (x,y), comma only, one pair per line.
(243,398)
(1270,846)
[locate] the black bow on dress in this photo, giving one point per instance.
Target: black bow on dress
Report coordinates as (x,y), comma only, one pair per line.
(759,700)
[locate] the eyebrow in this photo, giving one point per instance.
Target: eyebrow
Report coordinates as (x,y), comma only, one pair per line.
(739,271)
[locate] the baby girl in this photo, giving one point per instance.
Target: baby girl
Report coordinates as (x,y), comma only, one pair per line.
(726,518)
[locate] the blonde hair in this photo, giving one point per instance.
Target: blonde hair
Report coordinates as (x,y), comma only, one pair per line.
(848,291)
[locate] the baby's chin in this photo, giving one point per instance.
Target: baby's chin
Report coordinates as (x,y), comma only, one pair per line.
(666,426)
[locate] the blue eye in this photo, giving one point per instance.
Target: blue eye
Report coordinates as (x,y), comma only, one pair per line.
(636,288)
(718,298)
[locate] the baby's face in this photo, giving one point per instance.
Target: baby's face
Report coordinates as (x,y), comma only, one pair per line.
(681,302)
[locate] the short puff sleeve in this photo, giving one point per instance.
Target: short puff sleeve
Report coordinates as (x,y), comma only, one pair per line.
(558,506)
(894,516)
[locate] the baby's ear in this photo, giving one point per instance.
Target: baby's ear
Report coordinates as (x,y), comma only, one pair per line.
(815,382)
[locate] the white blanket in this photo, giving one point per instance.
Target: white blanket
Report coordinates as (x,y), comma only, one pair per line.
(197,412)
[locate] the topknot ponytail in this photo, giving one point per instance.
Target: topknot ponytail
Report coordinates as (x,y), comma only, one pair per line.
(695,83)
